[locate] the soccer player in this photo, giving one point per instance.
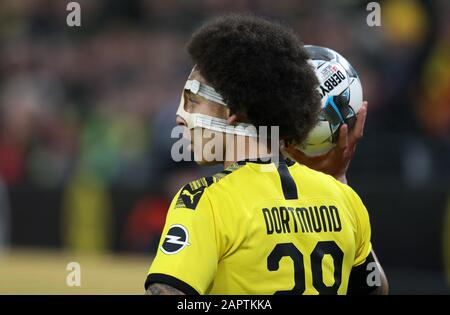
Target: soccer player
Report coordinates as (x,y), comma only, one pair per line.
(262,226)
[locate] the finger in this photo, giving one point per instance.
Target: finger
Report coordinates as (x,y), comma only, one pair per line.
(348,153)
(358,130)
(343,137)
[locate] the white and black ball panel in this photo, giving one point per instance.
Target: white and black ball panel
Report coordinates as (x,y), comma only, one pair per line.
(347,66)
(356,94)
(320,53)
(341,96)
(333,80)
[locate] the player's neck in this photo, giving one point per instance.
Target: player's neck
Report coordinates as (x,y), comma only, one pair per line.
(254,149)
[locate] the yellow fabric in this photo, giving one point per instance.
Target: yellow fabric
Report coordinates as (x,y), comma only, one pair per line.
(228,242)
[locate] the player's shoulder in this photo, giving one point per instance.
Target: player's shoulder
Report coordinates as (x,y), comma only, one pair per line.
(327,183)
(324,185)
(321,178)
(190,194)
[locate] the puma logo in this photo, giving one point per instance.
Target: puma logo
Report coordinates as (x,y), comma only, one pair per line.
(191,196)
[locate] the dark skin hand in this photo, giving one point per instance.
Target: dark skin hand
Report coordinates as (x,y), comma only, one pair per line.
(337,160)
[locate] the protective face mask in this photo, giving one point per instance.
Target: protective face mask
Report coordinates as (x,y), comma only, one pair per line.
(195,120)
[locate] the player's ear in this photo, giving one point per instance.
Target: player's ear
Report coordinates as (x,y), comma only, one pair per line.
(232,119)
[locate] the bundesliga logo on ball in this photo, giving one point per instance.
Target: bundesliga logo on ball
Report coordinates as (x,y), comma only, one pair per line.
(341,95)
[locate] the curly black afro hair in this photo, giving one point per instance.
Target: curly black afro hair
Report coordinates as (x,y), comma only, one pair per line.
(261,70)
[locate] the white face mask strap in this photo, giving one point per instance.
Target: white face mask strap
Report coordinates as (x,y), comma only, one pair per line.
(221,125)
(204,90)
(196,120)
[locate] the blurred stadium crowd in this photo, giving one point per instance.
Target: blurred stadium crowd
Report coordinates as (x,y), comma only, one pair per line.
(86,114)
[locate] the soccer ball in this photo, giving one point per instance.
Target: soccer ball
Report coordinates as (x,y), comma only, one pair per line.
(341,94)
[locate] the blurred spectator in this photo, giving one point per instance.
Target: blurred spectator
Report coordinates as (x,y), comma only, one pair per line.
(446,242)
(5,223)
(87,219)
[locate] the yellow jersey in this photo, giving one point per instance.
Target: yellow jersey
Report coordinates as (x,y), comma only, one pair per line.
(263,228)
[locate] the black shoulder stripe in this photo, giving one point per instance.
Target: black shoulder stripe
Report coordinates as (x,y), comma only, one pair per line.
(209,180)
(192,192)
(289,162)
(287,182)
